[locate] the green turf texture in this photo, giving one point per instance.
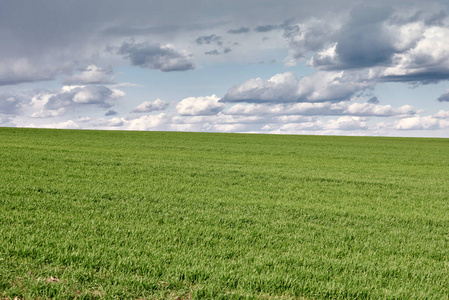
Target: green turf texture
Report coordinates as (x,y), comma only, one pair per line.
(165,215)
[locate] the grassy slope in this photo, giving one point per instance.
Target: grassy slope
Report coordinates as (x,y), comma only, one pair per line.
(191,215)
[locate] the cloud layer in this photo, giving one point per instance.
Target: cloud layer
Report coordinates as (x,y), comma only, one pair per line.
(314,67)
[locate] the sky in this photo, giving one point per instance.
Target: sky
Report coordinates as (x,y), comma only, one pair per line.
(364,68)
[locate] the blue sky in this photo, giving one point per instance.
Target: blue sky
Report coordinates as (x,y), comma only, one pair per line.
(286,67)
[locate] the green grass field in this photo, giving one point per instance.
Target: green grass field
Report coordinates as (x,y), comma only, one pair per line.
(157,215)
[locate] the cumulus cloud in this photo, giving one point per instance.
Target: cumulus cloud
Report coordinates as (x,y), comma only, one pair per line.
(148,106)
(321,109)
(164,58)
(193,106)
(365,40)
(43,113)
(150,122)
(426,62)
(294,127)
(422,123)
(279,88)
(398,49)
(70,96)
(102,123)
(92,74)
(441,114)
(311,36)
(318,87)
(163,121)
(347,123)
(69,124)
(340,125)
(48,104)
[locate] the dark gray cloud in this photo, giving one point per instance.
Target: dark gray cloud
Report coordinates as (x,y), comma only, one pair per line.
(226,50)
(373,100)
(289,26)
(239,30)
(400,47)
(291,31)
(163,58)
(212,52)
(444,97)
(423,75)
(362,42)
(209,39)
(266,28)
(110,113)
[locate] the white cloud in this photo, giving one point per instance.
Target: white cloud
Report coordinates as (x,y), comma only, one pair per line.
(370,109)
(421,123)
(317,87)
(48,113)
(194,106)
(103,123)
(294,127)
(325,57)
(320,109)
(149,122)
(69,124)
(92,74)
(347,123)
(310,36)
(427,61)
(148,106)
(227,127)
(342,125)
(442,114)
(279,88)
(47,104)
(83,95)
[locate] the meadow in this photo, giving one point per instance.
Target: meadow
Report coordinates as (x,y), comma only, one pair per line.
(165,215)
